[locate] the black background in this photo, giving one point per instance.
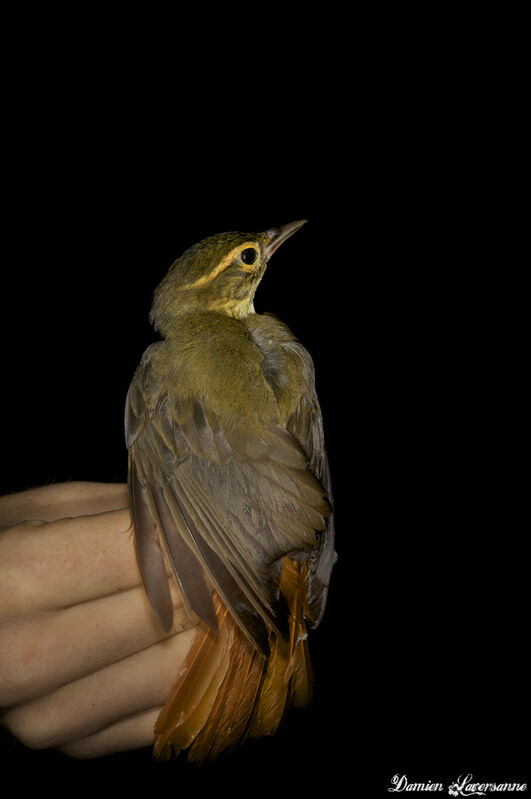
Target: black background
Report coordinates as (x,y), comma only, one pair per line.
(404,286)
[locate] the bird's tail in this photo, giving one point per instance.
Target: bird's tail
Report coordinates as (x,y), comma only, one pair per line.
(228,691)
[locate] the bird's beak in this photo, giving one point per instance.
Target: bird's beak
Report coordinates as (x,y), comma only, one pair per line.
(278,235)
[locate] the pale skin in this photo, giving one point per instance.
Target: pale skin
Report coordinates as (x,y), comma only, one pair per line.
(84,665)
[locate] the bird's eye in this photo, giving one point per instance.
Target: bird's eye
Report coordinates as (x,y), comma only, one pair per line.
(249,256)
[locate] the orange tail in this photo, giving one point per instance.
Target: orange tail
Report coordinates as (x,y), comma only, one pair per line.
(228,691)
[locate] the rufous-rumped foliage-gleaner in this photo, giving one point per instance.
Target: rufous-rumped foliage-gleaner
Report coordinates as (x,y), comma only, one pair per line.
(230,494)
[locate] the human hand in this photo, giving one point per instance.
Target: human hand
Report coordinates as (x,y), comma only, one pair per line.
(84,665)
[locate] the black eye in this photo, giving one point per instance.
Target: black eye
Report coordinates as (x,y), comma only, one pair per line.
(249,256)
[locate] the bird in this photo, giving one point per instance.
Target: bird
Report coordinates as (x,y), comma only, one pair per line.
(230,495)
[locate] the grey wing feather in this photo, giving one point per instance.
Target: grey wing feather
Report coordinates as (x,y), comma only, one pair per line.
(185,564)
(149,552)
(306,424)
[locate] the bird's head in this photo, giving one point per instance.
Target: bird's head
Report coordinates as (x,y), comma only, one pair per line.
(220,273)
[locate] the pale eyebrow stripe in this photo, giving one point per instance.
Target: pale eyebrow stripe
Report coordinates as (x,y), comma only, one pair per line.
(204,280)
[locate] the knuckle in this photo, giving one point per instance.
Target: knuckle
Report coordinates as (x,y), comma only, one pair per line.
(14,679)
(21,571)
(27,726)
(22,663)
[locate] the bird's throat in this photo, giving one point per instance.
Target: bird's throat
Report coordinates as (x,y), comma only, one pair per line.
(237,308)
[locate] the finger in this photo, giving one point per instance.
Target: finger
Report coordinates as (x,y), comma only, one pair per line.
(89,705)
(65,562)
(60,500)
(40,654)
(133,732)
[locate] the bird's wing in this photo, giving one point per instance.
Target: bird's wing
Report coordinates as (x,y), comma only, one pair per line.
(226,510)
(306,424)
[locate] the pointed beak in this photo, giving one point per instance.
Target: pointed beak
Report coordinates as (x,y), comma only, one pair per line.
(278,235)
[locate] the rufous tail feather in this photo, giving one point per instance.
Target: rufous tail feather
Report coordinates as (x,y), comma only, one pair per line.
(228,691)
